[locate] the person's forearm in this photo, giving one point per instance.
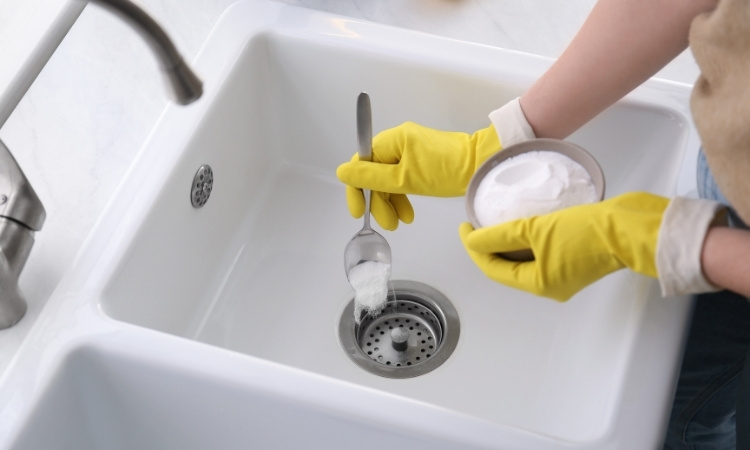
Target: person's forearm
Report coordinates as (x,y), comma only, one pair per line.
(726,259)
(621,44)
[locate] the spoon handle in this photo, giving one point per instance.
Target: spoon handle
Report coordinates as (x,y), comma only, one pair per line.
(364,136)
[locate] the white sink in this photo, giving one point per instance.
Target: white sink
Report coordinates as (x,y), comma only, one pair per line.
(257,273)
(106,397)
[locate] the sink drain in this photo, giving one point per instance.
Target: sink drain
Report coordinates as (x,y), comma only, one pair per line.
(416,332)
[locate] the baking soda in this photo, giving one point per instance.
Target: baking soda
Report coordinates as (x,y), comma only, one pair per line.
(531,184)
(370,283)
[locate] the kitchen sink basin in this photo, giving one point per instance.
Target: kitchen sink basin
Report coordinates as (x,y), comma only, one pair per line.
(254,277)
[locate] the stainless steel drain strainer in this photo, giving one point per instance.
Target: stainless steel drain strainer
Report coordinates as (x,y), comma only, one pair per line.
(416,332)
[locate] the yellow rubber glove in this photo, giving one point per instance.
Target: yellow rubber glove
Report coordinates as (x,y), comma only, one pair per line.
(572,247)
(413,159)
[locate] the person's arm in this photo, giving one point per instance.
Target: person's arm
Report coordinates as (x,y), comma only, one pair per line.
(726,259)
(621,44)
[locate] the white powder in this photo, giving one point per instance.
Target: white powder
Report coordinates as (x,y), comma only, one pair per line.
(370,283)
(531,184)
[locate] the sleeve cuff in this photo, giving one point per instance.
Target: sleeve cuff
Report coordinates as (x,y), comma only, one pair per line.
(511,124)
(678,251)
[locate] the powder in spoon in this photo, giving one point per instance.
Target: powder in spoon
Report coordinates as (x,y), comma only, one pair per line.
(531,184)
(370,283)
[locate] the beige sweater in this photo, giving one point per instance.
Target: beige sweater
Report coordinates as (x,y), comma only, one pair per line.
(720,42)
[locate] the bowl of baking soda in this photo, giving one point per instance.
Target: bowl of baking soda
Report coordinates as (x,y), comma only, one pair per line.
(532,178)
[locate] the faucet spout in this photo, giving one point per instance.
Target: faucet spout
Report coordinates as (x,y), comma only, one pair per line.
(185,86)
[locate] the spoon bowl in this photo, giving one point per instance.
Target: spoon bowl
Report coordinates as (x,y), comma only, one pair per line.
(367,245)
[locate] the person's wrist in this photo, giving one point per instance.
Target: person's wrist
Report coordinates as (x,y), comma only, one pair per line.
(684,227)
(511,124)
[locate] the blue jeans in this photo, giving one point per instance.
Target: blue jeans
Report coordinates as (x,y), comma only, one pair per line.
(705,405)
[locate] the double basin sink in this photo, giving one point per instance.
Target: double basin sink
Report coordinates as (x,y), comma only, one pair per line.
(217,326)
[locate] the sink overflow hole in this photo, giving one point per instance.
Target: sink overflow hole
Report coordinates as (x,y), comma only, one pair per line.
(203,183)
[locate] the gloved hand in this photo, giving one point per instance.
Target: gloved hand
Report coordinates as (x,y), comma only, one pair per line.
(413,159)
(576,246)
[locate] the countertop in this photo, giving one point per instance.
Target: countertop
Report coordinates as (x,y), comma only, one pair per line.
(80,126)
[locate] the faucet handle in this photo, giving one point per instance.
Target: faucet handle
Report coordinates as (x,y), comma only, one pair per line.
(18,201)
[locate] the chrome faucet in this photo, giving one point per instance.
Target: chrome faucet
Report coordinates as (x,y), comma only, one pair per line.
(21,214)
(21,211)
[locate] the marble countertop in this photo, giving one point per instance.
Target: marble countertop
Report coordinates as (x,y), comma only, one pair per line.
(82,122)
(29,32)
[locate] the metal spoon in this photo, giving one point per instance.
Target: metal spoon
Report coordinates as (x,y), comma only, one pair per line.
(367,245)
